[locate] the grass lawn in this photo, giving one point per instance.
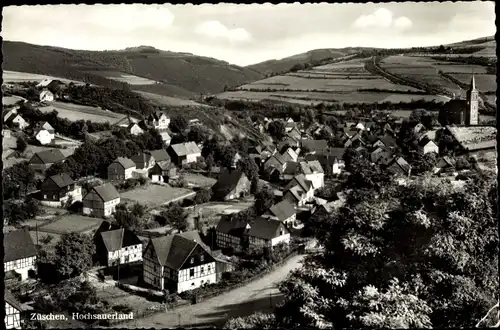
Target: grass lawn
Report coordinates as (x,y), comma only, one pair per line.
(155,195)
(74,112)
(116,296)
(199,180)
(72,223)
(42,235)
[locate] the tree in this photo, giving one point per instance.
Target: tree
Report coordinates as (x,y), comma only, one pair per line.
(18,179)
(264,199)
(127,219)
(73,254)
(14,213)
(138,210)
(257,320)
(421,163)
(248,166)
(178,124)
(277,130)
(198,134)
(176,216)
(224,156)
(21,145)
(203,196)
(255,186)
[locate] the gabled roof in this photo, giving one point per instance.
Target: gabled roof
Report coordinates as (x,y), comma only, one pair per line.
(159,155)
(301,181)
(174,250)
(142,157)
(156,115)
(227,182)
(400,163)
(231,226)
(125,162)
(388,141)
(449,160)
(50,156)
(117,239)
(48,127)
(264,228)
(14,116)
(13,301)
(314,145)
(107,192)
(297,191)
(291,168)
(184,149)
(283,210)
(62,180)
(18,245)
(311,167)
(164,165)
(132,125)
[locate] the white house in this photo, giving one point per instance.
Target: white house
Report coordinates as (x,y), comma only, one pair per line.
(134,129)
(178,263)
(43,136)
(57,190)
(20,253)
(101,201)
(299,191)
(13,311)
(158,120)
(16,119)
(313,172)
(267,232)
(46,96)
(117,245)
(44,83)
(121,169)
(428,147)
(184,153)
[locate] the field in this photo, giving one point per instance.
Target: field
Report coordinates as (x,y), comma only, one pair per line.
(71,223)
(168,100)
(16,77)
(41,235)
(11,100)
(155,195)
(484,82)
(123,77)
(199,180)
(74,112)
(418,69)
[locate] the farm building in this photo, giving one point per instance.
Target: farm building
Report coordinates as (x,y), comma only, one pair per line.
(159,155)
(446,164)
(385,141)
(399,167)
(143,161)
(116,245)
(289,155)
(44,83)
(462,112)
(299,191)
(58,189)
(101,201)
(42,160)
(230,185)
(178,263)
(158,120)
(314,146)
(331,161)
(291,170)
(476,140)
(134,129)
(163,171)
(276,161)
(230,232)
(13,311)
(46,96)
(43,136)
(121,169)
(184,153)
(428,146)
(9,113)
(267,232)
(294,134)
(313,172)
(20,254)
(16,121)
(284,211)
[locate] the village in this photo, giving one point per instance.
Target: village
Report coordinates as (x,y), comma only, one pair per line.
(181,222)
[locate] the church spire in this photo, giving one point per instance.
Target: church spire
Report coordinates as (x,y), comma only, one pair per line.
(472,82)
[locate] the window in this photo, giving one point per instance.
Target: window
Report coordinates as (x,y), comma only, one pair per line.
(209,268)
(281,232)
(202,258)
(191,272)
(192,260)
(202,270)
(45,196)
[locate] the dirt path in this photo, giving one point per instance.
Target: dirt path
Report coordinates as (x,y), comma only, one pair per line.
(259,295)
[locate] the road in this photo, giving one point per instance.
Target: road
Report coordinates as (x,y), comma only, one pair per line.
(256,296)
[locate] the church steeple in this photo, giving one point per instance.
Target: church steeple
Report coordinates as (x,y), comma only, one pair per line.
(473,82)
(472,103)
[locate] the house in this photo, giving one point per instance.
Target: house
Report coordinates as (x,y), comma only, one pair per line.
(43,136)
(49,128)
(230,185)
(165,137)
(385,141)
(376,154)
(426,146)
(19,254)
(46,96)
(313,172)
(13,311)
(399,167)
(116,245)
(299,191)
(354,141)
(446,164)
(58,189)
(284,211)
(6,133)
(134,129)
(159,155)
(101,201)
(265,151)
(267,232)
(289,126)
(276,161)
(163,171)
(314,146)
(332,161)
(178,263)
(184,153)
(291,170)
(16,120)
(42,160)
(121,169)
(44,83)
(236,159)
(360,126)
(143,161)
(230,232)
(294,133)
(418,128)
(158,120)
(290,155)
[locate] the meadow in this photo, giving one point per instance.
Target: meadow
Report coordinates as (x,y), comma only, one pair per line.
(71,223)
(124,77)
(74,112)
(484,82)
(154,195)
(17,77)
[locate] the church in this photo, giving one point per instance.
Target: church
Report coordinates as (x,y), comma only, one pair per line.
(462,112)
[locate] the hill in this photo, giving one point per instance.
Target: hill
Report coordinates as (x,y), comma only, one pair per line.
(145,68)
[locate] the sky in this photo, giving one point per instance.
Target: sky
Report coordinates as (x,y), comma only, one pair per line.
(248,34)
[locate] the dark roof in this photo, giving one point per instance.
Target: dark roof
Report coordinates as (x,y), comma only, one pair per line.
(9,298)
(449,160)
(125,162)
(388,141)
(283,210)
(174,250)
(141,157)
(164,165)
(227,181)
(302,182)
(117,239)
(194,235)
(18,245)
(159,155)
(62,180)
(314,145)
(291,168)
(264,228)
(50,156)
(371,138)
(156,115)
(231,226)
(399,165)
(107,192)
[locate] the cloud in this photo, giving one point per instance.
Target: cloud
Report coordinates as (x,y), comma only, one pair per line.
(215,29)
(382,18)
